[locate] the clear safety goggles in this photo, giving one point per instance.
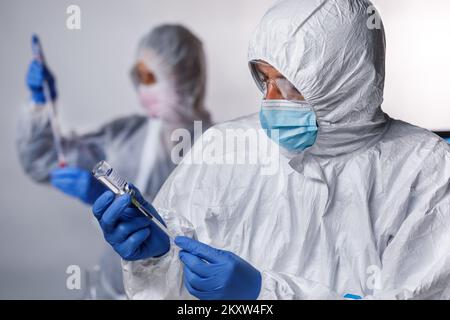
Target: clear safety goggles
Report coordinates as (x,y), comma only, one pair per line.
(284,87)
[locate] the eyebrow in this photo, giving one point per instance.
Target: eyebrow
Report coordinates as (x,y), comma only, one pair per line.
(277,76)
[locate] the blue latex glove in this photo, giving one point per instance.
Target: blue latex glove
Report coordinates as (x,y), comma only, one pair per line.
(352,296)
(77,183)
(212,274)
(37,77)
(132,235)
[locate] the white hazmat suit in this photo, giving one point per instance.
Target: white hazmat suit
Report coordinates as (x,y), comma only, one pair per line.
(364,211)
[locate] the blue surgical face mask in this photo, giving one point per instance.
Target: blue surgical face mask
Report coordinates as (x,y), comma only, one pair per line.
(290,124)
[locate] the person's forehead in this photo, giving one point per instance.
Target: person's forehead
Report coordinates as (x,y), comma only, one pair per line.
(142,66)
(266,68)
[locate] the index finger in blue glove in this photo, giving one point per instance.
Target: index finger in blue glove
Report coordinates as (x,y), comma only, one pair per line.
(67,178)
(195,292)
(65,186)
(64,182)
(195,264)
(199,249)
(126,228)
(209,285)
(131,213)
(102,203)
(66,173)
(35,75)
(114,212)
(129,249)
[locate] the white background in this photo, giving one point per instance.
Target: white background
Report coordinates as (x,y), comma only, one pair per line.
(41,231)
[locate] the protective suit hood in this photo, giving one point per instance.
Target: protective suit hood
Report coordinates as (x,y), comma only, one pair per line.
(177,58)
(326,49)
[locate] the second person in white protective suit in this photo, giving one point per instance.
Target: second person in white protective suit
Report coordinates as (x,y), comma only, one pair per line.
(170,80)
(360,203)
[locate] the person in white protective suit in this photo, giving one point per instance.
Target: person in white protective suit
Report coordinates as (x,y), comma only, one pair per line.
(360,205)
(170,80)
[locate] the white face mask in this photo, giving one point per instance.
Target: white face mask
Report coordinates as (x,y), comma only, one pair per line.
(157,100)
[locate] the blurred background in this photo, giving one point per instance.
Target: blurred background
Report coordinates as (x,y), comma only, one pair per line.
(42,232)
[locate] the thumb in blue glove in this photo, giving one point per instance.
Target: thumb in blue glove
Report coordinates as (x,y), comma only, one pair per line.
(212,274)
(77,183)
(38,75)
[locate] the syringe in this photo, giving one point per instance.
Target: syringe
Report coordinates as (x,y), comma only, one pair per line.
(104,173)
(38,54)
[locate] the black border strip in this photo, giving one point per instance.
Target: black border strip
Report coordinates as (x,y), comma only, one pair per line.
(443,134)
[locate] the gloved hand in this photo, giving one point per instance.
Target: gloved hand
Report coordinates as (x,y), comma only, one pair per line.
(132,235)
(38,74)
(212,274)
(77,183)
